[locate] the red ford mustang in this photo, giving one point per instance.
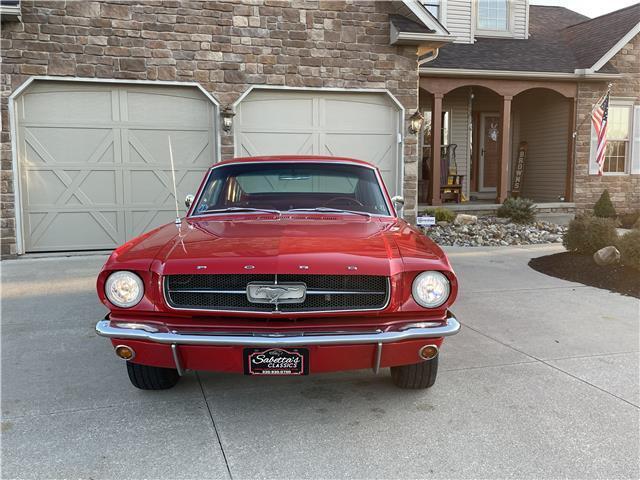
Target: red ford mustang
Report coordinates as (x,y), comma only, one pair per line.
(282,266)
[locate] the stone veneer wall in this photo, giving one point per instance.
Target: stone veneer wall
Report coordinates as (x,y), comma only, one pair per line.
(624,189)
(226,46)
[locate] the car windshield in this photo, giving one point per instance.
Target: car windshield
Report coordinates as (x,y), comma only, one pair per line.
(283,187)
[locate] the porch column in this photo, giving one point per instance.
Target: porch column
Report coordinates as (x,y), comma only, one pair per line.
(436,143)
(503,158)
(568,188)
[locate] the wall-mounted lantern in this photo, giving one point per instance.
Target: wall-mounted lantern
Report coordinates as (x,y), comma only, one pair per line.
(415,122)
(227,118)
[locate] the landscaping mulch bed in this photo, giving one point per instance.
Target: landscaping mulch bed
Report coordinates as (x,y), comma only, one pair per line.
(582,269)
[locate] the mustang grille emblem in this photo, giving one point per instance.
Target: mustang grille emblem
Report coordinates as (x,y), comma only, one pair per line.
(259,292)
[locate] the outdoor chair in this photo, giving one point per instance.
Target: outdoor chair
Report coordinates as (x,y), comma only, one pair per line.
(450,181)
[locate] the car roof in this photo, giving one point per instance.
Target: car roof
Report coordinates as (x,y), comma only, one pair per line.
(295,158)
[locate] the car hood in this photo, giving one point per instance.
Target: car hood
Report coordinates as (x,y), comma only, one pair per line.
(286,244)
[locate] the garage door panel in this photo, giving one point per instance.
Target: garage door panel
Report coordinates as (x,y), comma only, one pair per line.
(277,143)
(354,115)
(357,125)
(159,107)
(50,104)
(152,147)
(81,181)
(44,187)
(144,220)
(376,149)
(98,229)
(66,145)
(282,112)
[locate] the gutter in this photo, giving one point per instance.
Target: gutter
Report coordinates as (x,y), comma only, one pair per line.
(577,75)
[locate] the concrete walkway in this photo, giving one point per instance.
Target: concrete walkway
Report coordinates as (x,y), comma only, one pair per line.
(541,383)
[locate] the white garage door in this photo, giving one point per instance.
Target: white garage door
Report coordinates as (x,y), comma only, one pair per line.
(357,125)
(94,160)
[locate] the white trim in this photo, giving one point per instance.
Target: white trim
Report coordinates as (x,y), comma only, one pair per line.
(317,89)
(426,18)
(17,180)
(616,48)
(635,142)
(526,20)
(17,203)
(619,102)
(416,37)
(10,10)
(401,112)
(462,72)
(443,13)
(481,145)
(479,32)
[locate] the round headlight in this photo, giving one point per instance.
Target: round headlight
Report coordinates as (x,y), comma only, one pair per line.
(124,289)
(430,289)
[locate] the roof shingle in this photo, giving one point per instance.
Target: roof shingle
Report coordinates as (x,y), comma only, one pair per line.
(560,40)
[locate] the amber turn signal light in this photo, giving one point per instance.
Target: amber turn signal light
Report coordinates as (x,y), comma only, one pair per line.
(125,352)
(428,352)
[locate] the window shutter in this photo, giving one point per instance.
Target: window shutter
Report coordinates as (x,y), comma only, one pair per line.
(593,166)
(635,142)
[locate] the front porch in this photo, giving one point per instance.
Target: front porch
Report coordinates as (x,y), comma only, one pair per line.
(484,125)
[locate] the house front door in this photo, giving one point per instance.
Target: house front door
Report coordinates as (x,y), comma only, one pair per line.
(489,147)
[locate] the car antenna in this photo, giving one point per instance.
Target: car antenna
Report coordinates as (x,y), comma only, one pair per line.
(173,176)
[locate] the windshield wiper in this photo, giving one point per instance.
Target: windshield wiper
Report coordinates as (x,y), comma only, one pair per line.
(329,210)
(240,209)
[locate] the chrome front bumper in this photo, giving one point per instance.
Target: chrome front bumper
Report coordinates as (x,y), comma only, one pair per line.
(140,331)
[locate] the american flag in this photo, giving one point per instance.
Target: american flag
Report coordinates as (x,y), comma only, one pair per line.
(599,119)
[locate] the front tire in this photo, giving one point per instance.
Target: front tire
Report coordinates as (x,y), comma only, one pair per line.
(416,376)
(146,377)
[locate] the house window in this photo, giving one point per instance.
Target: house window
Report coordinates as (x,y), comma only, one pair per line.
(433,6)
(492,15)
(616,156)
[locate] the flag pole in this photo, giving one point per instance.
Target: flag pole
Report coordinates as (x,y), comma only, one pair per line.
(575,132)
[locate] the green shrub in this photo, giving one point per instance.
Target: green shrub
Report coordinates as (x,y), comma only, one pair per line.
(519,210)
(587,234)
(630,220)
(603,207)
(629,246)
(442,214)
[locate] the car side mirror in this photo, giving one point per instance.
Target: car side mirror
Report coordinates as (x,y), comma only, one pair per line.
(398,202)
(188,200)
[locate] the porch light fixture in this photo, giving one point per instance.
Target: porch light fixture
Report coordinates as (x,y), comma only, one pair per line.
(227,118)
(415,122)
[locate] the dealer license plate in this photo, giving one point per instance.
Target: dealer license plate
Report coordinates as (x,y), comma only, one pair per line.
(276,361)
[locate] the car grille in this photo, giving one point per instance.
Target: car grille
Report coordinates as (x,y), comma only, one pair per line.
(324,292)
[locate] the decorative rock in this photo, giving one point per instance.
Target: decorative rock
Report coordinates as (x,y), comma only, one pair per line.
(607,256)
(442,223)
(491,231)
(463,219)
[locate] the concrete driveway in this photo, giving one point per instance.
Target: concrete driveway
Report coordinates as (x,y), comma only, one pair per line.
(542,382)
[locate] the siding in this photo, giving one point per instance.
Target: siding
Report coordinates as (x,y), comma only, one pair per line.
(519,14)
(457,104)
(459,20)
(544,125)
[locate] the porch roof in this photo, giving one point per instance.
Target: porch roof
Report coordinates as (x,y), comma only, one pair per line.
(557,43)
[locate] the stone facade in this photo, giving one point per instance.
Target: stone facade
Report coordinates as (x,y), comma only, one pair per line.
(624,189)
(226,46)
